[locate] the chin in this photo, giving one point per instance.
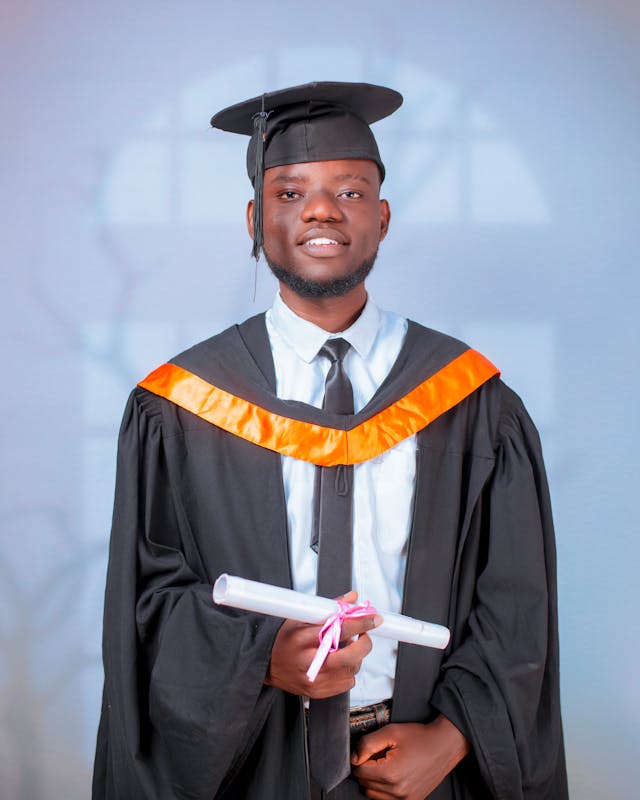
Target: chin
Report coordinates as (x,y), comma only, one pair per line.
(330,287)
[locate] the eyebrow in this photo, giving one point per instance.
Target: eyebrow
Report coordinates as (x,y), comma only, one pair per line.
(288,179)
(347,176)
(350,176)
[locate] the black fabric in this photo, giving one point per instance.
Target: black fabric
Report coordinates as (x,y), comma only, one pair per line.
(347,790)
(239,361)
(186,713)
(366,100)
(338,399)
(320,121)
(333,522)
(338,392)
(314,133)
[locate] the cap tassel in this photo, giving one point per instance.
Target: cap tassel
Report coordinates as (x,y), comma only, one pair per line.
(260,128)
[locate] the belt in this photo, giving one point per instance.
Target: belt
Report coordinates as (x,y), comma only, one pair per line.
(365,719)
(369,718)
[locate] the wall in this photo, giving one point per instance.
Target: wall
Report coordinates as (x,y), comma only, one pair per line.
(513,178)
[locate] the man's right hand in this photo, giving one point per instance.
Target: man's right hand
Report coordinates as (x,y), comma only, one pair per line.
(296,644)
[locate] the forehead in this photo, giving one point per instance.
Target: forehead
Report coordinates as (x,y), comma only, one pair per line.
(356,169)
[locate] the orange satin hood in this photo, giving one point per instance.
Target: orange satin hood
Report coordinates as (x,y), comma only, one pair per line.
(321,445)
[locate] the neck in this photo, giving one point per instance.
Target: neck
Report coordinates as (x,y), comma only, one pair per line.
(332,314)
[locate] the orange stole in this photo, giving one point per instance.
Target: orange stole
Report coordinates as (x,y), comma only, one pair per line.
(324,446)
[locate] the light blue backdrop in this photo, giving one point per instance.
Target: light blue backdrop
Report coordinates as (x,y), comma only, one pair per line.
(513,179)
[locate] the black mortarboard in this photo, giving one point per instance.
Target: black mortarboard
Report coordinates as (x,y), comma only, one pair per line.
(321,121)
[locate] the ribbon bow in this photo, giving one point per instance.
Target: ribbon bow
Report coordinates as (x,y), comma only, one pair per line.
(329,636)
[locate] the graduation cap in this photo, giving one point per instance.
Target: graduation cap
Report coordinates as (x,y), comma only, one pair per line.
(322,121)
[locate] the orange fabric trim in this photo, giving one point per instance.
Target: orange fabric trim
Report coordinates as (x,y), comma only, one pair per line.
(316,443)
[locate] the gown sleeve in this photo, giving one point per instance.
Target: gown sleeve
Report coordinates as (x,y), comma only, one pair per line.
(178,711)
(500,686)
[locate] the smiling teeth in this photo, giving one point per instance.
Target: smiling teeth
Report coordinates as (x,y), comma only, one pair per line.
(322,240)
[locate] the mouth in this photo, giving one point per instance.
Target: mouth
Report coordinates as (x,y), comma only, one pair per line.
(323,242)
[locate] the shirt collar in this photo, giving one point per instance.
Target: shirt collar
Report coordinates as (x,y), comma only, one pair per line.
(307,339)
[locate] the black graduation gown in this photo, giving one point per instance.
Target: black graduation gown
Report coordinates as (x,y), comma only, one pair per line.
(185,712)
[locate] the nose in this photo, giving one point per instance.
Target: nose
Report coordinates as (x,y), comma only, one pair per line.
(321,206)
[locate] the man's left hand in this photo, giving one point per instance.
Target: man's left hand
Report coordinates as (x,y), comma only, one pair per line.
(406,761)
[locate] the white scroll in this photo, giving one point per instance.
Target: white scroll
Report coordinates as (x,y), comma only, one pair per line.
(275,601)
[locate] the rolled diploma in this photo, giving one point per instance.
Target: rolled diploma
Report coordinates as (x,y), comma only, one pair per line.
(263,598)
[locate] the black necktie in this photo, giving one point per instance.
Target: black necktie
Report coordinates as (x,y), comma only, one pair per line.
(331,537)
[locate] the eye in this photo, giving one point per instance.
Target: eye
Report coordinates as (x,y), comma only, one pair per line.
(351,194)
(289,194)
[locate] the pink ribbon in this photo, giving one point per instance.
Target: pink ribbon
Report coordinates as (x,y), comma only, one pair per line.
(329,636)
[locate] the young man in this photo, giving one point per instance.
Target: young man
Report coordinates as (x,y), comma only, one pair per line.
(329,446)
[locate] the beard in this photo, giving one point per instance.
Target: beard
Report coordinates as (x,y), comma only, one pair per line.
(333,287)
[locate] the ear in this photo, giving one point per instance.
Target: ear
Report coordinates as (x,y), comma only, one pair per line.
(250,218)
(385,218)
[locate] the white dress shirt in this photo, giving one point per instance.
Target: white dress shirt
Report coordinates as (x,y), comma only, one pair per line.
(383,486)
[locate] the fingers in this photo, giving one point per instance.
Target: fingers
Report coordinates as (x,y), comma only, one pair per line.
(338,673)
(298,635)
(296,644)
(377,774)
(351,655)
(350,597)
(358,625)
(373,777)
(355,626)
(373,745)
(374,794)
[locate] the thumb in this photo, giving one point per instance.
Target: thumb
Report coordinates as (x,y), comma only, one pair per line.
(370,745)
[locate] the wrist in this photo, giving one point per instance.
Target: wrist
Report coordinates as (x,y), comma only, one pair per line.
(455,742)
